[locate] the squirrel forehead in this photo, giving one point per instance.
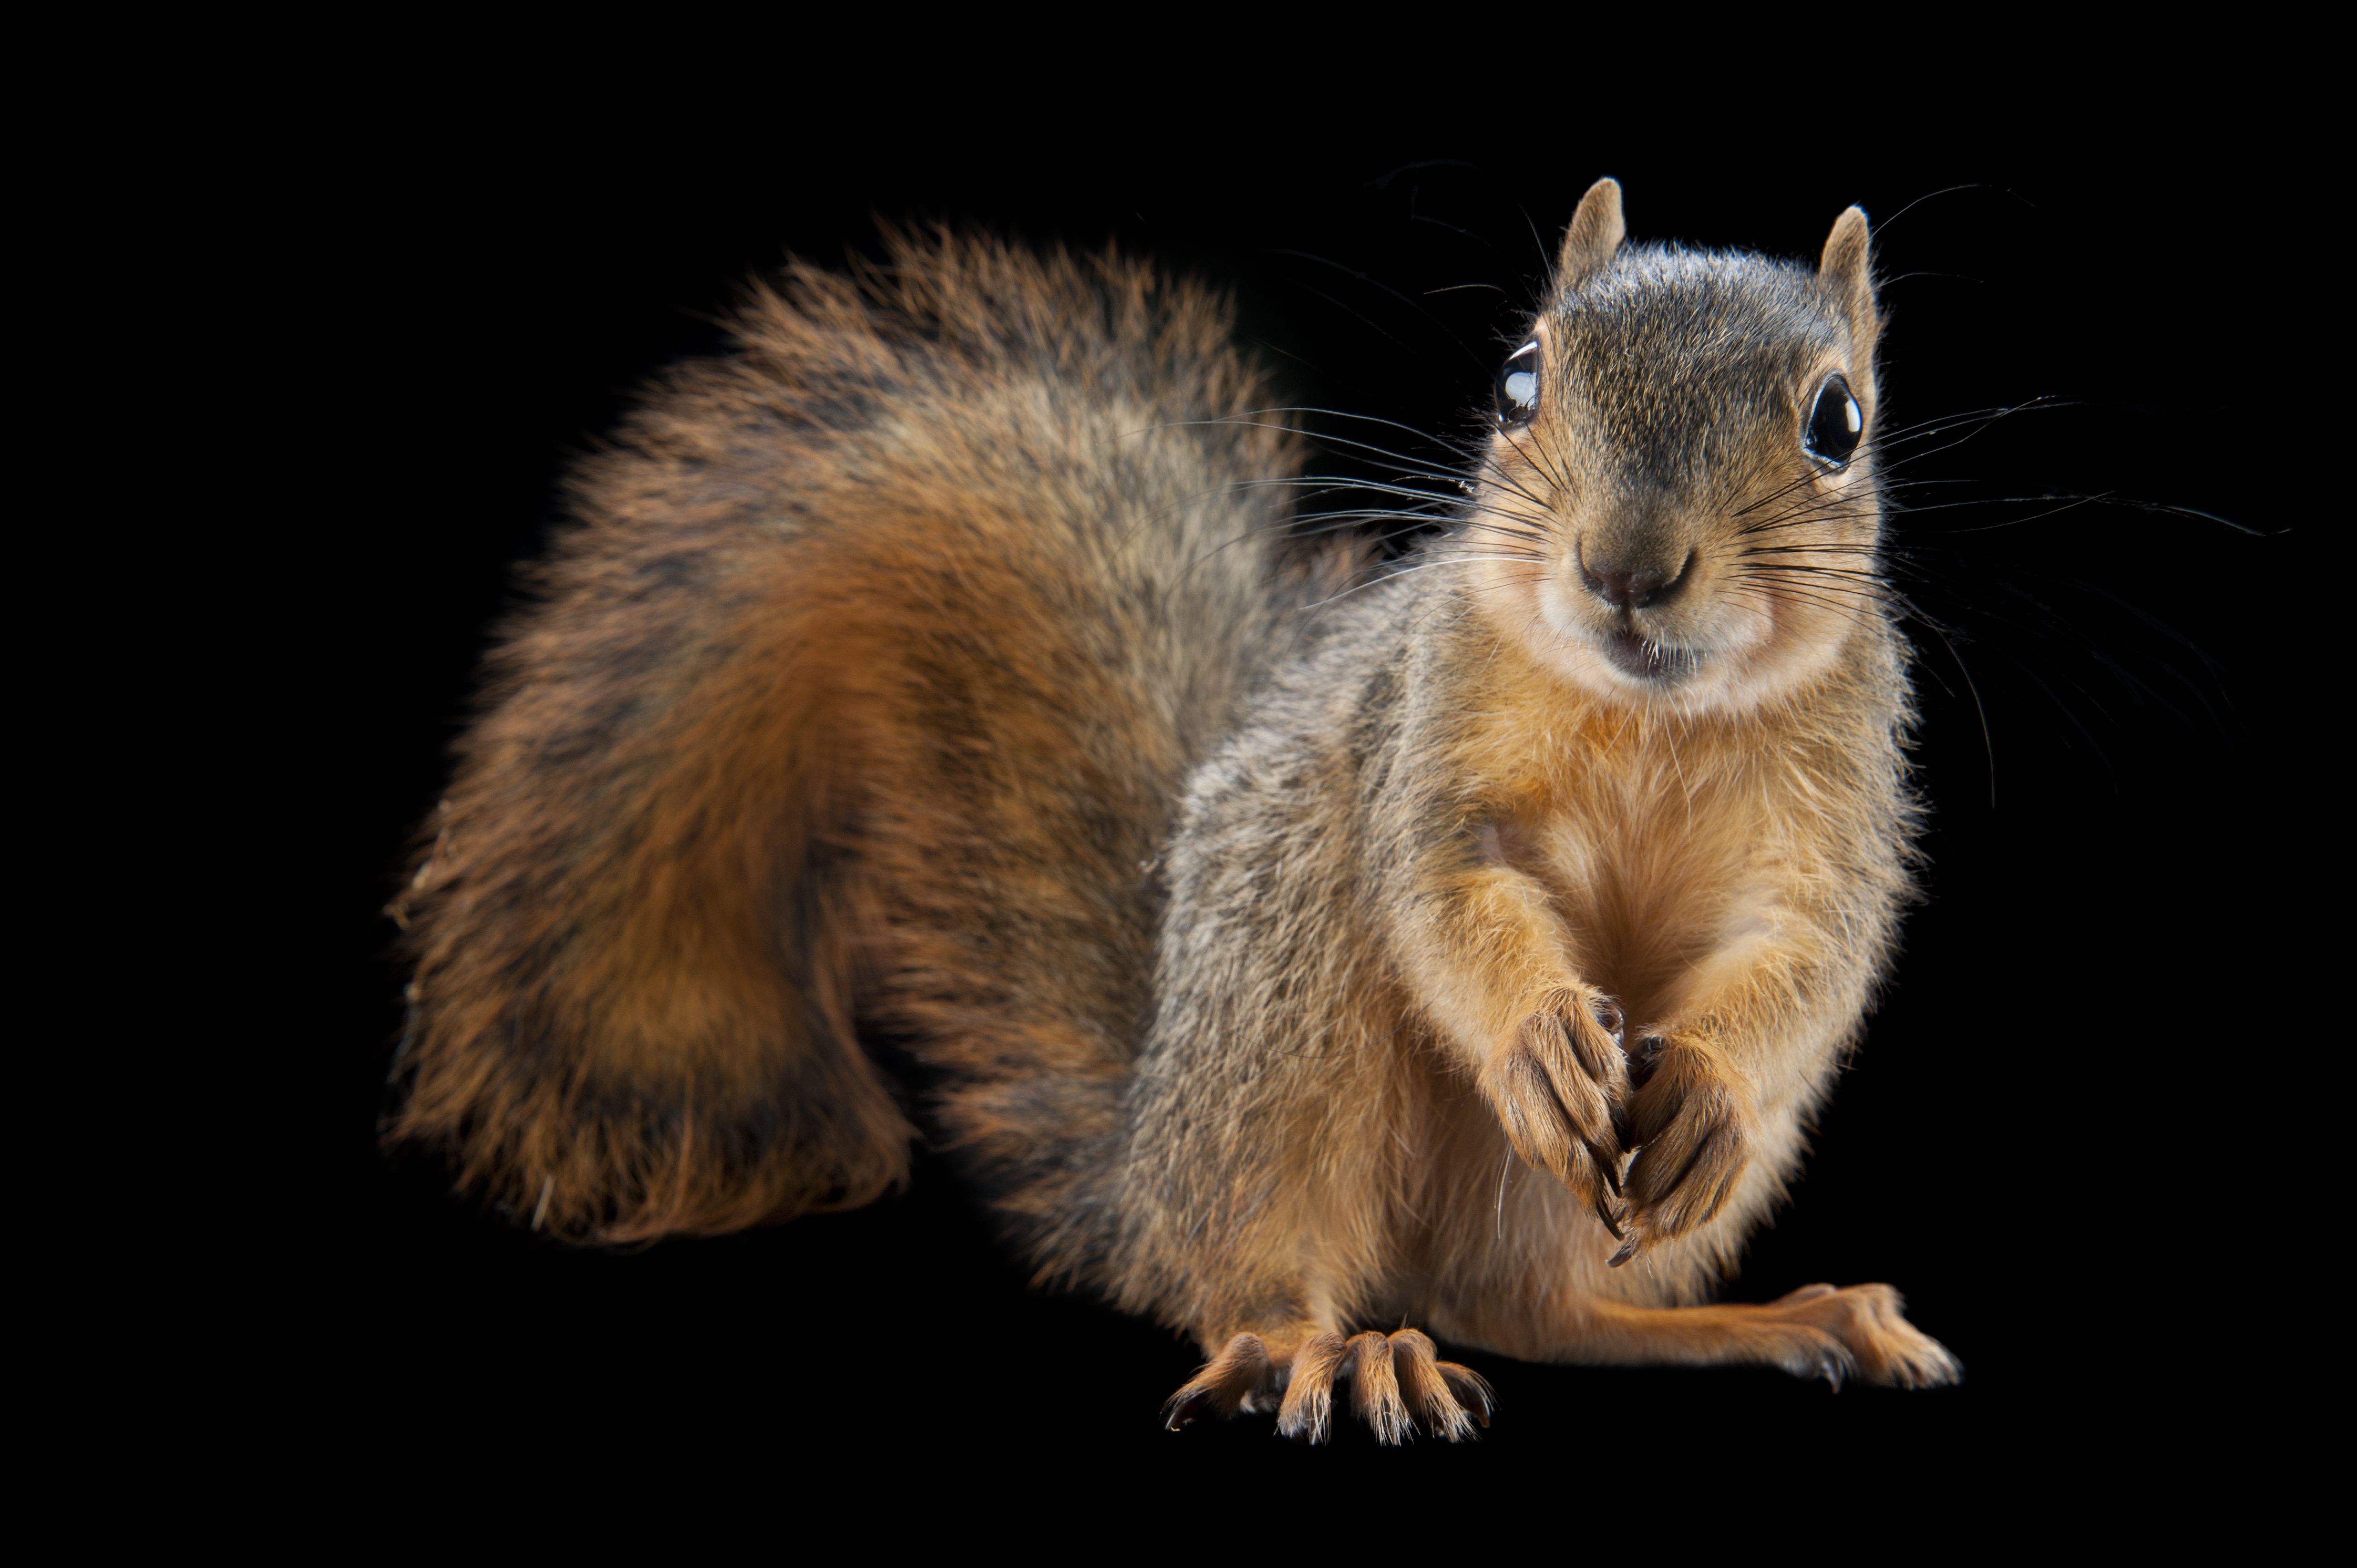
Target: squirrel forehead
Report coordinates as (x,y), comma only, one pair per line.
(1671,355)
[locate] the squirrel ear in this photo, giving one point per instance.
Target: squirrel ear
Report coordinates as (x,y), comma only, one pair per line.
(1595,233)
(1847,270)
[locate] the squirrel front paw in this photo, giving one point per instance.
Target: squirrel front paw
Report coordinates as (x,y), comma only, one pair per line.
(1692,1121)
(1558,1088)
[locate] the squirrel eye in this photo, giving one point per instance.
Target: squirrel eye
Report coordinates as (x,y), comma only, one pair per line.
(1518,385)
(1835,424)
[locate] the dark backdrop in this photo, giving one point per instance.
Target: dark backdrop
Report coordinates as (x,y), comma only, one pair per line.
(2046,1141)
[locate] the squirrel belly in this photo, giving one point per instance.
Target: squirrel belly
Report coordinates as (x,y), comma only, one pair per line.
(1295,943)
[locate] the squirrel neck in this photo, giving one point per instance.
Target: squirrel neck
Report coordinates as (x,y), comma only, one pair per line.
(1521,722)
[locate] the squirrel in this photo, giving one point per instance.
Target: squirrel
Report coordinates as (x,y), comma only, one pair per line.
(1301,942)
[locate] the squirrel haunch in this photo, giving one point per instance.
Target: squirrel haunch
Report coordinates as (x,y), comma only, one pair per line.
(1296,941)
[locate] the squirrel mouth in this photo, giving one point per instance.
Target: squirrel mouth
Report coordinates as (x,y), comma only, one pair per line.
(1633,655)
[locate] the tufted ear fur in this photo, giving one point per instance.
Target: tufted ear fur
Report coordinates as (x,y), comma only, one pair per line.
(1595,233)
(1847,270)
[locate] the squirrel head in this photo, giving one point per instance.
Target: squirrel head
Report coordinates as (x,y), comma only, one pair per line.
(1678,502)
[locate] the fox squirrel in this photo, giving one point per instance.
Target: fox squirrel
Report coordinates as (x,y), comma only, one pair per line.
(1301,941)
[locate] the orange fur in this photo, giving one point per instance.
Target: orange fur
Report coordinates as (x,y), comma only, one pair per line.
(1473,945)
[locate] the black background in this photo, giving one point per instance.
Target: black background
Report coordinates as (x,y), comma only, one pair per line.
(2043,1142)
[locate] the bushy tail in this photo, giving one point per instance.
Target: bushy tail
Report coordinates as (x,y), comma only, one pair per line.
(862,695)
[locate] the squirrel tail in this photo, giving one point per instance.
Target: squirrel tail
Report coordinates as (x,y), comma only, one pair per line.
(860,696)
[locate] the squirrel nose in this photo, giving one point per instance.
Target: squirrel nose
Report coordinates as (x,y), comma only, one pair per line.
(1630,587)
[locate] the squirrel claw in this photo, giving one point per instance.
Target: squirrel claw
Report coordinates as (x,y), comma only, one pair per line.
(1610,1018)
(1226,1384)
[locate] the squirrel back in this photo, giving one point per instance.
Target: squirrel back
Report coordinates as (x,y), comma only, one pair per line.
(860,697)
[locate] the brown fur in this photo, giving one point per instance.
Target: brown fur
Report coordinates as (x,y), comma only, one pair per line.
(1295,958)
(865,685)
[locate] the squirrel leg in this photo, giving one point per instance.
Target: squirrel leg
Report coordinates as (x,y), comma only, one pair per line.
(1817,1331)
(1751,1042)
(1489,959)
(1397,1382)
(1704,1080)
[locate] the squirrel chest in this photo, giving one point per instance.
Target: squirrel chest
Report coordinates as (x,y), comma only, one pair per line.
(1668,857)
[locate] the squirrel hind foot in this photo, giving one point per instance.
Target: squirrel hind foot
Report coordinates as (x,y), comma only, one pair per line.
(1868,1323)
(1397,1383)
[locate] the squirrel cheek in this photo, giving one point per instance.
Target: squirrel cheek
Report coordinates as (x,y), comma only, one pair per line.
(1744,629)
(1770,650)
